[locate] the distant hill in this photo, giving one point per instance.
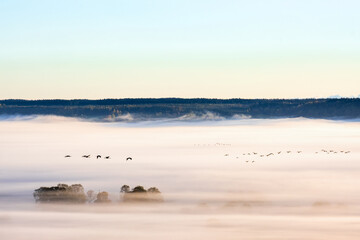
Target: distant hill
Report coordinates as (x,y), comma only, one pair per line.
(137,109)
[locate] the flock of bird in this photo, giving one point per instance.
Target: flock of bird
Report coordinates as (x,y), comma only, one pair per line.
(216,145)
(97,157)
(244,154)
(332,151)
(287,152)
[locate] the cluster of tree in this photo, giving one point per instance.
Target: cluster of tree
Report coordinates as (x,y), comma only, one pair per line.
(75,194)
(139,193)
(61,193)
(147,108)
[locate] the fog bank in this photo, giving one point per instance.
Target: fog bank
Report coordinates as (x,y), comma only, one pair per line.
(249,179)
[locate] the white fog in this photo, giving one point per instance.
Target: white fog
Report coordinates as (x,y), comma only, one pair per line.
(218,178)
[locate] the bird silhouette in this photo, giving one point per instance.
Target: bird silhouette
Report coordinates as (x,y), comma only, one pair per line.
(98,156)
(67,156)
(86,156)
(128,158)
(107,157)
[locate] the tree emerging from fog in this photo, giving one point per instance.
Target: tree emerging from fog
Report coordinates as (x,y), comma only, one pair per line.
(125,189)
(61,193)
(75,194)
(91,196)
(102,197)
(140,194)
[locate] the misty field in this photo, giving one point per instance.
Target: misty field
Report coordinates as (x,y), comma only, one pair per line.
(230,179)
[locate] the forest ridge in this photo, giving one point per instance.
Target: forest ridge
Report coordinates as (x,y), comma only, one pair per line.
(157,108)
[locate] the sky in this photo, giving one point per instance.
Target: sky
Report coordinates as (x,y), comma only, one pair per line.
(181,48)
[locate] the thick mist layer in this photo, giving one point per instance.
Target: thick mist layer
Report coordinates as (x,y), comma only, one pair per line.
(248,179)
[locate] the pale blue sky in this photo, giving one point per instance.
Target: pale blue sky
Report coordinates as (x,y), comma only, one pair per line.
(222,49)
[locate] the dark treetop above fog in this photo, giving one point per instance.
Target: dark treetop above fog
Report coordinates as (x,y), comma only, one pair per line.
(156,108)
(75,194)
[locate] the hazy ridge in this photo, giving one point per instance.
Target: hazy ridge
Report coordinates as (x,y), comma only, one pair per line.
(138,109)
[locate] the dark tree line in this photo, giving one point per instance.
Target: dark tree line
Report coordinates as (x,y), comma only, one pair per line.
(152,108)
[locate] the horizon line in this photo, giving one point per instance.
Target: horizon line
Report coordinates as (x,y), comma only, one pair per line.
(179,98)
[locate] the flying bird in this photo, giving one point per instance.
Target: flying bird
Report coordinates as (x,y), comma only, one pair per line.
(98,156)
(107,157)
(67,156)
(128,158)
(86,156)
